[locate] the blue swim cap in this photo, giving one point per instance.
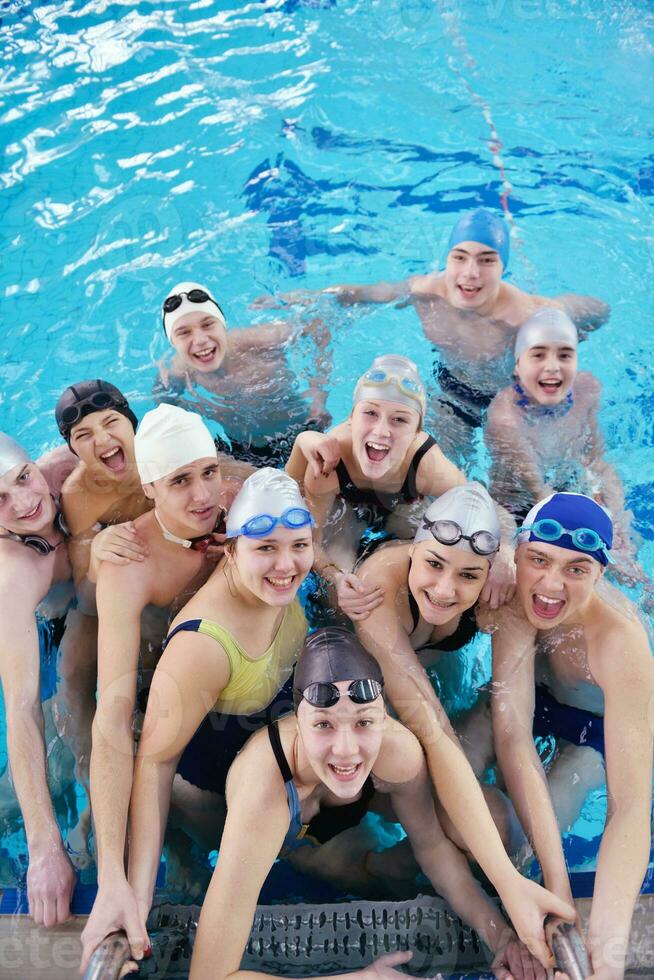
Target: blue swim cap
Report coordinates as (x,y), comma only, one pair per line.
(573,521)
(483,227)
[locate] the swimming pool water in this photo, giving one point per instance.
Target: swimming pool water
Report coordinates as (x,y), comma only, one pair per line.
(283,144)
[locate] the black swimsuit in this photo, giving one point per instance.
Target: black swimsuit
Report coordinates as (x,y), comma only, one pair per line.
(331,820)
(373,506)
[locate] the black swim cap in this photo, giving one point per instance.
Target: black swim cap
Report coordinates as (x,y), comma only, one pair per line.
(87,397)
(330,655)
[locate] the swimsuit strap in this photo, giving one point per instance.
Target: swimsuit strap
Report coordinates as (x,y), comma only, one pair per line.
(278,751)
(188,626)
(413,605)
(409,491)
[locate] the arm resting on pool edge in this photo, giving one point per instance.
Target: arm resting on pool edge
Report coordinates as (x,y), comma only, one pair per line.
(411,694)
(122,594)
(50,876)
(628,684)
(189,678)
(512,709)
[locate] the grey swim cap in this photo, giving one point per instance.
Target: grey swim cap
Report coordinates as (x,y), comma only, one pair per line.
(268,492)
(169,437)
(470,507)
(331,655)
(392,378)
(548,325)
(11,454)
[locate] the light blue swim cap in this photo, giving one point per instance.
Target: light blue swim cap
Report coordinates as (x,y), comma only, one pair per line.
(484,227)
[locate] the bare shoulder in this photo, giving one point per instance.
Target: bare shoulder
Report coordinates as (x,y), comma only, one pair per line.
(388,566)
(24,576)
(401,758)
(588,386)
(426,287)
(254,778)
(502,409)
(507,622)
(619,642)
(56,466)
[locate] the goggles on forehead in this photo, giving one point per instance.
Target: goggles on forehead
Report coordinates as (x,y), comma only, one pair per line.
(99,401)
(483,543)
(292,518)
(325,695)
(583,538)
(174,301)
(410,387)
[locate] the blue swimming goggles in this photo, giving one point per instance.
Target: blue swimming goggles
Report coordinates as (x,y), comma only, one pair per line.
(410,387)
(262,524)
(583,538)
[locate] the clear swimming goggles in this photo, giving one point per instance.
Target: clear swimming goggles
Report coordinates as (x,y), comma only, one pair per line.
(584,538)
(410,387)
(324,695)
(262,524)
(483,543)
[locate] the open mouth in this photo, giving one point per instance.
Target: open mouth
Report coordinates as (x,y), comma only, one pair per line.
(550,386)
(545,607)
(469,292)
(345,773)
(280,584)
(114,459)
(205,514)
(442,604)
(377,451)
(33,514)
(206,355)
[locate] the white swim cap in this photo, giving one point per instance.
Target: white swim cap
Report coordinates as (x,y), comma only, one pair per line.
(268,493)
(392,378)
(186,292)
(167,438)
(548,325)
(11,454)
(463,517)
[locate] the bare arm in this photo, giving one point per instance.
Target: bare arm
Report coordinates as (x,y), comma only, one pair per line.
(624,852)
(587,312)
(415,701)
(50,877)
(187,683)
(512,708)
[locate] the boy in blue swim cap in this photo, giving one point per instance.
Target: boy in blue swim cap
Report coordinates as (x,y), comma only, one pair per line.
(543,431)
(573,662)
(470,313)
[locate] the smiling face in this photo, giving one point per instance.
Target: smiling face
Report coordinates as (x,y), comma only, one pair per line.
(445,580)
(188,499)
(382,433)
(200,340)
(26,506)
(554,584)
(547,372)
(105,440)
(273,568)
(472,277)
(342,743)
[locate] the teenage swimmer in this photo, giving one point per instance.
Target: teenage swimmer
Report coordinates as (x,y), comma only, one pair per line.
(543,431)
(35,574)
(237,372)
(387,461)
(471,313)
(575,663)
(177,463)
(228,656)
(317,769)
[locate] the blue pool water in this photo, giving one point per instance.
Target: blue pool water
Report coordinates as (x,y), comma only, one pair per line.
(284,144)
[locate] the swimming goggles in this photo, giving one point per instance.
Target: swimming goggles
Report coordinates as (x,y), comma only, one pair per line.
(410,387)
(325,695)
(38,543)
(292,518)
(583,538)
(173,302)
(483,543)
(98,401)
